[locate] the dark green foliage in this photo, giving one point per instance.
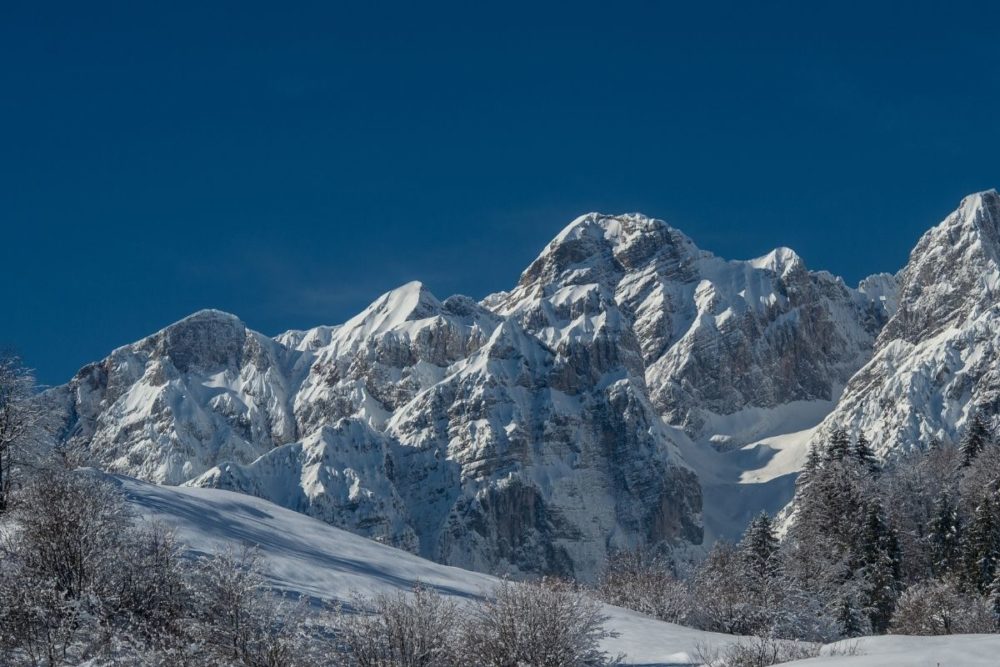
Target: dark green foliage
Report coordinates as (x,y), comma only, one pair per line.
(880,561)
(981,546)
(975,440)
(944,535)
(850,620)
(864,455)
(838,447)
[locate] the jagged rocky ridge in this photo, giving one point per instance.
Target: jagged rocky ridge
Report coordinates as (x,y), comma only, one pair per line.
(937,360)
(529,432)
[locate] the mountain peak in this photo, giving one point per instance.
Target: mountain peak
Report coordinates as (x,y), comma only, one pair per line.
(780,260)
(978,200)
(408,302)
(952,274)
(597,248)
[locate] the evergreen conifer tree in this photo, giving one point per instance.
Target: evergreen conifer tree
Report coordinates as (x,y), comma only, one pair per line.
(981,547)
(849,617)
(944,535)
(839,445)
(759,550)
(864,454)
(880,561)
(976,438)
(809,469)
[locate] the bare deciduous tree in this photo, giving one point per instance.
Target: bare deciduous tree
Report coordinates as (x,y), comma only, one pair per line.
(20,420)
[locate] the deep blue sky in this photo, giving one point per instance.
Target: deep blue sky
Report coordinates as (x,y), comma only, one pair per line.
(289,162)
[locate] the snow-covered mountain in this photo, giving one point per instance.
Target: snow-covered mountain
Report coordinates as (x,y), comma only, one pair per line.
(531,431)
(937,360)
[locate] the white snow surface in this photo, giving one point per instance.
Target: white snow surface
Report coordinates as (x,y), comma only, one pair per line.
(904,651)
(302,556)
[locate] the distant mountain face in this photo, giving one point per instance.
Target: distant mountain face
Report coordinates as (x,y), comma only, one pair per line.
(529,432)
(937,360)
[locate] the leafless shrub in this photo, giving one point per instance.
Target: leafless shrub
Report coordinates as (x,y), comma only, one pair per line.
(644,582)
(238,620)
(755,651)
(21,419)
(546,624)
(416,629)
(941,608)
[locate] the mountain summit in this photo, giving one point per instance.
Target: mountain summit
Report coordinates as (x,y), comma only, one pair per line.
(935,362)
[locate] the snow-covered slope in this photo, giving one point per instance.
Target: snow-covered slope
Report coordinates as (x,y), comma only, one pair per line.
(938,358)
(901,651)
(303,556)
(532,431)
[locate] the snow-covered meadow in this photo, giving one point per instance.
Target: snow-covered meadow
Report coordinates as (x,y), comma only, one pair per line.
(304,556)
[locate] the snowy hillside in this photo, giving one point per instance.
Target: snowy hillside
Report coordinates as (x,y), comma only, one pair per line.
(305,556)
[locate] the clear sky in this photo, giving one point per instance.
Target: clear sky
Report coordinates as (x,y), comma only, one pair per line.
(289,161)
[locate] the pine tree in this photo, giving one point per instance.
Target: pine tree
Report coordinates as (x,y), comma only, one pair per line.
(756,574)
(976,438)
(981,548)
(809,469)
(849,617)
(864,454)
(839,445)
(758,550)
(944,535)
(880,561)
(993,598)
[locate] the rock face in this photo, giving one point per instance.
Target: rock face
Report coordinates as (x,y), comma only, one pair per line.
(710,337)
(937,360)
(529,432)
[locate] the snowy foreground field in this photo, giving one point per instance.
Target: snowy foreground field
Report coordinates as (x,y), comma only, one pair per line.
(303,556)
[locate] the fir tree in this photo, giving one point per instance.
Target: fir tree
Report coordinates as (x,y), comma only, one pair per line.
(981,548)
(993,598)
(839,445)
(849,617)
(864,454)
(880,561)
(810,468)
(976,438)
(758,550)
(944,535)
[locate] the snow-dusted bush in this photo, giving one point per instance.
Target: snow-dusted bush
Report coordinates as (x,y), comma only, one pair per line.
(644,582)
(61,550)
(238,620)
(544,624)
(941,608)
(416,629)
(79,581)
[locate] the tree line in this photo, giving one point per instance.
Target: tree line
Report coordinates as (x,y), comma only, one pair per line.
(911,546)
